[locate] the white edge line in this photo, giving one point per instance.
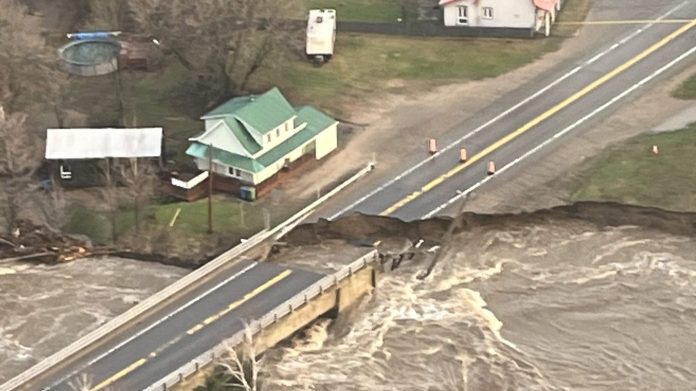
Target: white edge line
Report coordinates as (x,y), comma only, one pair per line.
(562,132)
(155,324)
(505,113)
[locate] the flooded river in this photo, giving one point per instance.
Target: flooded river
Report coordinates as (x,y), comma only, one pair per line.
(516,304)
(45,307)
(564,300)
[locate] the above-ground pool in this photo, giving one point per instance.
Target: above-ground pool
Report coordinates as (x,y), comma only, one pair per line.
(90,57)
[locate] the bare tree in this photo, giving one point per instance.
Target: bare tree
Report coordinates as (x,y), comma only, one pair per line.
(223,42)
(83,382)
(108,14)
(27,63)
(20,157)
(239,368)
(110,194)
(139,177)
(242,363)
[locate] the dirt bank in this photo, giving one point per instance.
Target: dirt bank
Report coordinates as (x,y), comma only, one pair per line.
(603,215)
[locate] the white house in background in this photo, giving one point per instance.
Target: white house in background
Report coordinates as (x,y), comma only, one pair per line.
(536,14)
(254,137)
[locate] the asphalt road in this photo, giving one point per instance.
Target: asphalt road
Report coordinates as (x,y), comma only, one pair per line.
(181,330)
(522,124)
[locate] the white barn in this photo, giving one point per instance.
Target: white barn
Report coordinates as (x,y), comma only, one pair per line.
(536,14)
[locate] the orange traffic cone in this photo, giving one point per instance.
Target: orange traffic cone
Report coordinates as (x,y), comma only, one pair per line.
(462,155)
(433,146)
(491,167)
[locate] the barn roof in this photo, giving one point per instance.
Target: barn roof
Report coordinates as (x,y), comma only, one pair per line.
(99,143)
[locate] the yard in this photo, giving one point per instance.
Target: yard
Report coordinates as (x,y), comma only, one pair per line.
(363,10)
(365,66)
(632,174)
(166,231)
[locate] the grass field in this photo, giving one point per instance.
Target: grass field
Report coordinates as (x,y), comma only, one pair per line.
(233,219)
(631,174)
(361,10)
(367,64)
(687,90)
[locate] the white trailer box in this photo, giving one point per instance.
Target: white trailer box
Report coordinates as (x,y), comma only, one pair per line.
(321,34)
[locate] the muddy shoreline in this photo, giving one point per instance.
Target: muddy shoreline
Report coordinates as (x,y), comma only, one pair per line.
(367,228)
(601,214)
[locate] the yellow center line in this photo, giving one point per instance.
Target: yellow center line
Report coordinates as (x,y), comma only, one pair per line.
(119,375)
(195,328)
(534,122)
(628,21)
(239,302)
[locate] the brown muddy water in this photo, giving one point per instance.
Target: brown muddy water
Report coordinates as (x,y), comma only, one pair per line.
(45,307)
(586,297)
(590,297)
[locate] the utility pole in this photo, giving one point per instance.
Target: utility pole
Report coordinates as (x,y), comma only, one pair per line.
(210,188)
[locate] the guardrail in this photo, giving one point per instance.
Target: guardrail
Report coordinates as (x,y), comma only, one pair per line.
(171,290)
(260,324)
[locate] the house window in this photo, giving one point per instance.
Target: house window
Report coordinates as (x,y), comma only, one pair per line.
(234,172)
(268,138)
(278,132)
(488,12)
(462,15)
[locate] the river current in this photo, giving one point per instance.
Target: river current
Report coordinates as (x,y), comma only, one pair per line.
(528,302)
(554,305)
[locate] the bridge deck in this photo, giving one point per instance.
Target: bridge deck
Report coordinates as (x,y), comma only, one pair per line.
(182,330)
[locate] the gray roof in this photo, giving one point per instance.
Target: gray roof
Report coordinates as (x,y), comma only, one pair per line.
(103,142)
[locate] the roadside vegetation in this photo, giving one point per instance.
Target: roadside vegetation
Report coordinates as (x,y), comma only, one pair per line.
(632,174)
(687,90)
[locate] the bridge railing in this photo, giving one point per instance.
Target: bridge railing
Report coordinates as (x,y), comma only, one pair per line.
(171,290)
(258,325)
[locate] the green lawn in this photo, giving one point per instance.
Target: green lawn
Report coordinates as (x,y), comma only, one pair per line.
(361,10)
(233,219)
(687,90)
(631,174)
(369,64)
(365,65)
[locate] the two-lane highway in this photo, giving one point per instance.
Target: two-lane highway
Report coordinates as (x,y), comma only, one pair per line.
(182,330)
(569,102)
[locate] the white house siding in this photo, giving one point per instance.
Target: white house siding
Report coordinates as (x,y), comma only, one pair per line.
(326,141)
(277,166)
(223,170)
(278,135)
(506,13)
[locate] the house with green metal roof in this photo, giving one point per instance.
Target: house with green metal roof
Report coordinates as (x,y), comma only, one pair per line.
(252,138)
